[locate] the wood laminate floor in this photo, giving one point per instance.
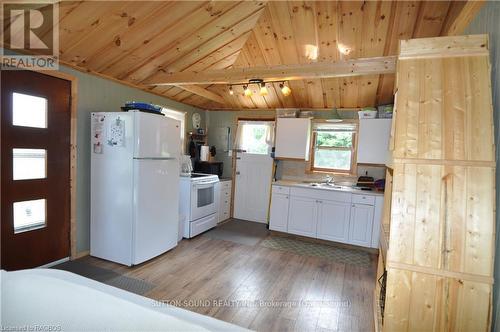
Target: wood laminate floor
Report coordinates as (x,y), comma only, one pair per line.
(259,288)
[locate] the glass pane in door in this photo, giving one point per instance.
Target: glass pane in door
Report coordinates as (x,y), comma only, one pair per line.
(29,111)
(29,215)
(205,196)
(29,164)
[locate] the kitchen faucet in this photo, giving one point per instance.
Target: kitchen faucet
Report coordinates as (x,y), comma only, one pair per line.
(328,179)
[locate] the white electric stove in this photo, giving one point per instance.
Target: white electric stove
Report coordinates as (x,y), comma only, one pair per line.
(198,203)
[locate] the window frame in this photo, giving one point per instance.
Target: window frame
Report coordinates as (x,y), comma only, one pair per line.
(354,151)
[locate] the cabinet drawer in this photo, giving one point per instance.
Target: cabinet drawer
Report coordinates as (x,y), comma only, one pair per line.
(203,224)
(224,216)
(225,210)
(363,199)
(225,194)
(281,190)
(224,202)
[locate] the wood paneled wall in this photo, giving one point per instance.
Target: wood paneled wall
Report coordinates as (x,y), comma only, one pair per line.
(442,234)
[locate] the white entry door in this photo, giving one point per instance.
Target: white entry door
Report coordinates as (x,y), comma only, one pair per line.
(253,186)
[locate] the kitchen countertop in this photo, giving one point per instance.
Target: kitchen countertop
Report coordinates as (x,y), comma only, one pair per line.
(300,184)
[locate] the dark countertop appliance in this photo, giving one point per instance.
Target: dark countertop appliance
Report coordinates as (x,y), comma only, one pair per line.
(209,167)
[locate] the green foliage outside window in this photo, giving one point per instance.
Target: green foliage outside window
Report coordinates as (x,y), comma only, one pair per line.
(334,139)
(333,150)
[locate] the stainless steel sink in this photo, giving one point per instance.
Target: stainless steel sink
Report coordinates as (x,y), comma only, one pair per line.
(325,185)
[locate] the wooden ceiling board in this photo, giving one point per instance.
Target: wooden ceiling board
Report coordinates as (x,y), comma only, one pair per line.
(430,19)
(81,44)
(285,28)
(166,38)
(142,33)
(201,42)
(134,41)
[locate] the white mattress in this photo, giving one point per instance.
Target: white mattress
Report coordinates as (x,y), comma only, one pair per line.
(62,301)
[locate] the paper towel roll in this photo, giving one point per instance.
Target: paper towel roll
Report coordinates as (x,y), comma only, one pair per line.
(204,152)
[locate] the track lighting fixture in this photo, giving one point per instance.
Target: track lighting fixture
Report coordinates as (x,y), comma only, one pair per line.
(261,84)
(263,89)
(247,91)
(285,89)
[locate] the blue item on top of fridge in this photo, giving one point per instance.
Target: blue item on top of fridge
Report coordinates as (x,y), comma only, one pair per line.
(145,107)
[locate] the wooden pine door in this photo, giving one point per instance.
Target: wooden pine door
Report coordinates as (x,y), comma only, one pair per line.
(35,169)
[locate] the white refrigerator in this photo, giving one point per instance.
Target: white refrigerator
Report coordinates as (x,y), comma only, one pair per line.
(134,186)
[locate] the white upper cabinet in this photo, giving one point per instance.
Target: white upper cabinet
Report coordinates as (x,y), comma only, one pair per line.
(373,141)
(292,138)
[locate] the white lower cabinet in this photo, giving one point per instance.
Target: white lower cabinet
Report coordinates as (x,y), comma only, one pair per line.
(224,207)
(361,223)
(302,217)
(341,217)
(333,221)
(278,216)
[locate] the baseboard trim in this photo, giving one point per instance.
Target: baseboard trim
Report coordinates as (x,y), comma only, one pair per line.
(59,261)
(81,254)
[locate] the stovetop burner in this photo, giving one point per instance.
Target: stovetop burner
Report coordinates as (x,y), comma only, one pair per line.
(199,175)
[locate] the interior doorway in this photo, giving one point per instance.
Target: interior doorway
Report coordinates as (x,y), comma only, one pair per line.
(35,169)
(253,169)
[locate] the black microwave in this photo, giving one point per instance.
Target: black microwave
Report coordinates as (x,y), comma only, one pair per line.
(209,167)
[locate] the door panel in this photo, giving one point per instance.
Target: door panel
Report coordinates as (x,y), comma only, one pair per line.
(253,186)
(302,216)
(333,221)
(47,128)
(156,215)
(361,225)
(278,219)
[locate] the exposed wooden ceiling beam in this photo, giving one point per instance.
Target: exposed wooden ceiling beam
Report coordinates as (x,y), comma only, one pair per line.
(460,15)
(198,90)
(353,67)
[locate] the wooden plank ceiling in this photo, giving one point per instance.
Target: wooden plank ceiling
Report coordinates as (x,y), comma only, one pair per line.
(132,41)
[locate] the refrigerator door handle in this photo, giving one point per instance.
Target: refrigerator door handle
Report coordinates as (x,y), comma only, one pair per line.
(156,158)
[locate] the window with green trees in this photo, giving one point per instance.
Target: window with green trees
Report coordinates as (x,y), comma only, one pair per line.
(333,150)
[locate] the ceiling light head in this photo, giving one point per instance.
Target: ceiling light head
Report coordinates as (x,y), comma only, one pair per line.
(247,91)
(263,90)
(285,90)
(231,92)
